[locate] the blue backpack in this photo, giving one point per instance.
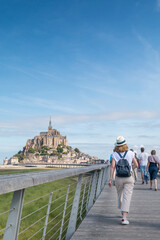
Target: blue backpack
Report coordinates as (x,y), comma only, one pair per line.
(123,168)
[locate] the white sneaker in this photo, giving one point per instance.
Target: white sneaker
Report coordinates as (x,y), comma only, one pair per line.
(125,221)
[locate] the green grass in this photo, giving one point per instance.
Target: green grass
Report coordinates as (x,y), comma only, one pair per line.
(59,189)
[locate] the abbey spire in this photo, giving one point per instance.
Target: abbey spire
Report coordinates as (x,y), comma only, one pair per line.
(50,124)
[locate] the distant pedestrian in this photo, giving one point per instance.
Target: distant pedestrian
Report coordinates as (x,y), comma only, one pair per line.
(135,175)
(143,160)
(137,162)
(110,159)
(152,167)
(122,160)
(114,174)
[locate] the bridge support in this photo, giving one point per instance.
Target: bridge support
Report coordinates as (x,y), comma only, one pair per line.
(13,222)
(64,212)
(99,183)
(47,216)
(93,189)
(84,191)
(74,211)
(104,178)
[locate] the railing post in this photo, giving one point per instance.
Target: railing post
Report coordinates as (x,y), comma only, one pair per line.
(84,191)
(47,216)
(93,189)
(64,212)
(103,179)
(99,183)
(108,173)
(90,183)
(73,217)
(105,176)
(14,218)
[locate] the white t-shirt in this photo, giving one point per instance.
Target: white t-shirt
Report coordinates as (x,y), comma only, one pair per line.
(144,158)
(129,156)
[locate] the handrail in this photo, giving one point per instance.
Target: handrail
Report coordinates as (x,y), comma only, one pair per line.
(11,183)
(59,213)
(52,164)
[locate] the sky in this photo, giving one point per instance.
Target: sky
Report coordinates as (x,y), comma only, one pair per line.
(92,65)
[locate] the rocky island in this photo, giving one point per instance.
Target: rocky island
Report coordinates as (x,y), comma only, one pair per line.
(49,147)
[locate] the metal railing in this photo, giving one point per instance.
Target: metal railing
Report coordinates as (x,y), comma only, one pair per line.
(56,214)
(52,165)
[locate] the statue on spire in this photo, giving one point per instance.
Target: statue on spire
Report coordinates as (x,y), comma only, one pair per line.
(50,124)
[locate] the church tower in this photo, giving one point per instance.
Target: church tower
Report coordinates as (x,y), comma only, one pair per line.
(50,125)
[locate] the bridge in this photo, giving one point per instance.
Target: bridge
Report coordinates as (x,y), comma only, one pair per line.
(73,204)
(48,204)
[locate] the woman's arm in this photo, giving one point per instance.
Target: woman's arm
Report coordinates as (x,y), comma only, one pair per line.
(135,164)
(139,161)
(157,161)
(147,165)
(113,166)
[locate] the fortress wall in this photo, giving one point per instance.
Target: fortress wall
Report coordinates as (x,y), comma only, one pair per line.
(50,141)
(44,140)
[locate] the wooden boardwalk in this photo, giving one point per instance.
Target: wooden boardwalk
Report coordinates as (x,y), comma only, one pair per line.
(103,222)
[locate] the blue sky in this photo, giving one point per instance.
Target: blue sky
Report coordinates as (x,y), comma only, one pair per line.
(93,65)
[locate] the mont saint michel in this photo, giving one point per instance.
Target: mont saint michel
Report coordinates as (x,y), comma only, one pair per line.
(51,139)
(49,147)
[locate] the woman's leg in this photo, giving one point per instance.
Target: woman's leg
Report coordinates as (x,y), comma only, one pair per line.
(127,194)
(150,174)
(119,187)
(125,214)
(145,175)
(154,175)
(142,175)
(142,169)
(155,184)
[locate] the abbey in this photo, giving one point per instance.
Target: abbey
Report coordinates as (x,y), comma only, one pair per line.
(51,139)
(49,147)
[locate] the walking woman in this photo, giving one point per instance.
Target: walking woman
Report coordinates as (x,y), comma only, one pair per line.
(152,167)
(124,162)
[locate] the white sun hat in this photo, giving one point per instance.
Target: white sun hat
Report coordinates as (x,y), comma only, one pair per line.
(120,141)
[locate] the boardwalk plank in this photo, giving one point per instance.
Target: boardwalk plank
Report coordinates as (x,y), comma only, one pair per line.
(104,219)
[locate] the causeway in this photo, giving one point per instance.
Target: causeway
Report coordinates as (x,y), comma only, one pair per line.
(103,221)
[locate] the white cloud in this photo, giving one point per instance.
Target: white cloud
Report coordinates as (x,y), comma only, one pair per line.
(146,136)
(111,116)
(34,74)
(153,56)
(35,123)
(102,90)
(28,101)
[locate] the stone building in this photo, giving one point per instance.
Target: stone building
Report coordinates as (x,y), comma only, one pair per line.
(11,161)
(6,161)
(14,160)
(51,139)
